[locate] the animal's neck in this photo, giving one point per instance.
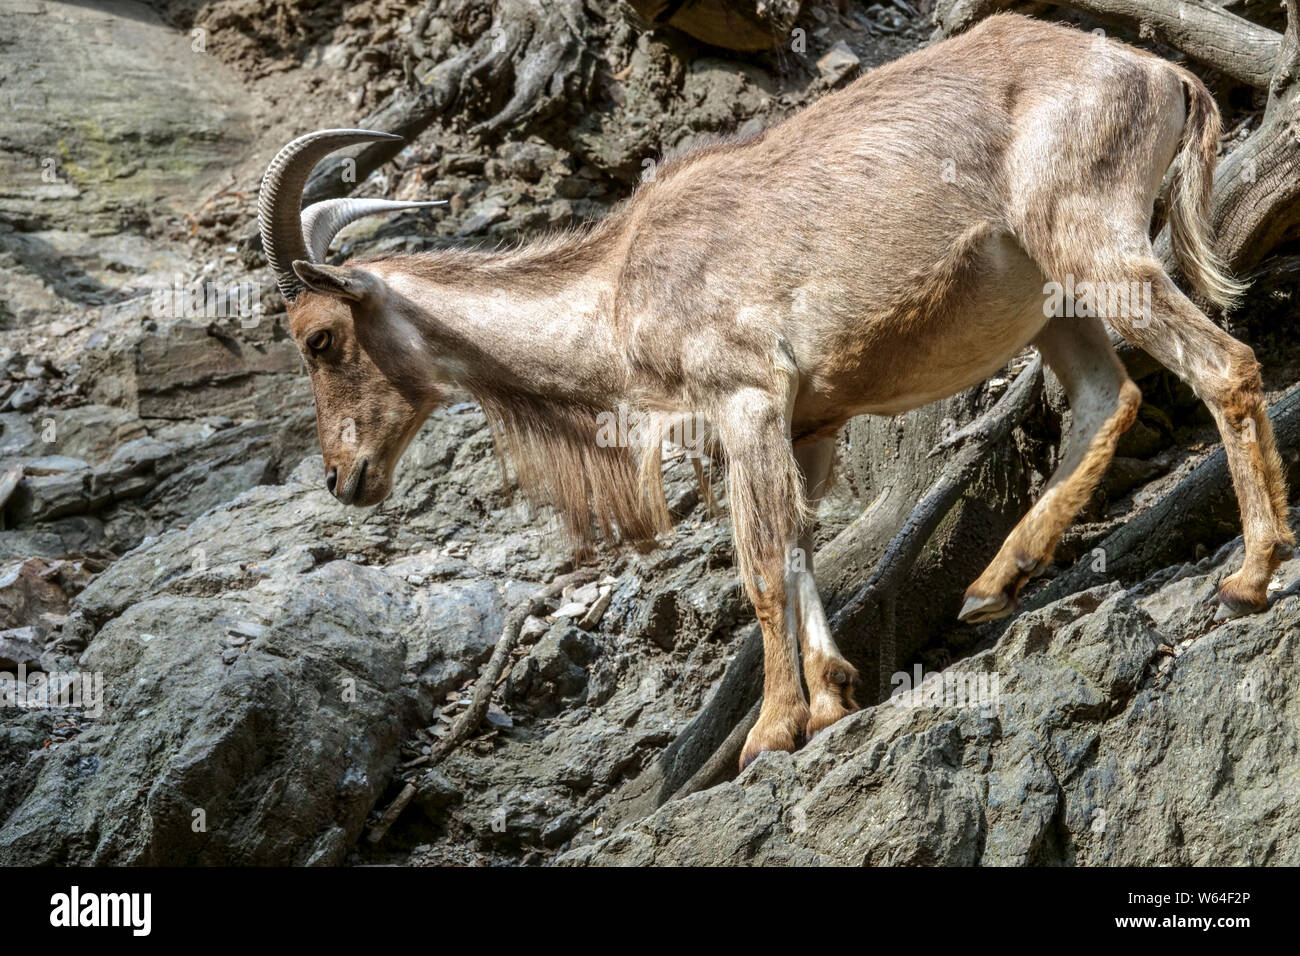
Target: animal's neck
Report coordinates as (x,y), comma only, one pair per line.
(536,322)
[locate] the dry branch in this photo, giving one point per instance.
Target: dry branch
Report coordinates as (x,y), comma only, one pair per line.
(468,722)
(1203,30)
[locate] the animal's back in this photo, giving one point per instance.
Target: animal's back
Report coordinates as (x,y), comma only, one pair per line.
(833,221)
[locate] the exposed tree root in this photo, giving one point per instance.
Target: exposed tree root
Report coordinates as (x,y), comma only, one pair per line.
(532,61)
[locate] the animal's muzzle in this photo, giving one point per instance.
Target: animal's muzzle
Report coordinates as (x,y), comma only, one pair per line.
(353,487)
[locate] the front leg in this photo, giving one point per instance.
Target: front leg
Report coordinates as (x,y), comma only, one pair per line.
(783,719)
(765,490)
(829,676)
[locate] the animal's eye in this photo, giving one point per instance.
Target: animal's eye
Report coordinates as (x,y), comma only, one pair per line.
(318,341)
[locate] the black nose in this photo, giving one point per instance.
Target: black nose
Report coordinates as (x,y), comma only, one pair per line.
(331,479)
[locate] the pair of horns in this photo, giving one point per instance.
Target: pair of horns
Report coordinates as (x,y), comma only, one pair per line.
(290,233)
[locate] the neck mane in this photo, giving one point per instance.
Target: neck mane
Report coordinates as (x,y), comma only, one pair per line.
(535,342)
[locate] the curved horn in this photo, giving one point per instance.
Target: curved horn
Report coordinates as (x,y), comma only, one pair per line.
(322,221)
(280,200)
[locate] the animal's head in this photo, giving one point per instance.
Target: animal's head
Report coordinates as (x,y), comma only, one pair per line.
(357,338)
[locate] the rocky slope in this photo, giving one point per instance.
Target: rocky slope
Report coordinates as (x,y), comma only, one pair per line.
(1114,727)
(269,672)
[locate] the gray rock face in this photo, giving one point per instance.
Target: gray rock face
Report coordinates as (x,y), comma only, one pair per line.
(1111,728)
(272,756)
(74,142)
(253,697)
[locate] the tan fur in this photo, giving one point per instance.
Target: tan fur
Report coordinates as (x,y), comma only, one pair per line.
(559,462)
(886,247)
(1193,185)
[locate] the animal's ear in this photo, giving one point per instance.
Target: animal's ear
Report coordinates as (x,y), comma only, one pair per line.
(341,282)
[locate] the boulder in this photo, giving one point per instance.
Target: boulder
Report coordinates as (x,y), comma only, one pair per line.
(255,689)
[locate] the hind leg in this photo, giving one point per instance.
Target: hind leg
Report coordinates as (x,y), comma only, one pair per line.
(830,678)
(1224,374)
(1103,404)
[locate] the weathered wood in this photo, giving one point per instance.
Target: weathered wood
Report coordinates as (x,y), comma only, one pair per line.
(1203,30)
(746,26)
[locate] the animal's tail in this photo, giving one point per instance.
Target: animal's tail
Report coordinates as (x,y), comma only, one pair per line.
(1193,182)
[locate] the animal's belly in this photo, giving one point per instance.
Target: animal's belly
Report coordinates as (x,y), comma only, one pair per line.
(902,360)
(925,374)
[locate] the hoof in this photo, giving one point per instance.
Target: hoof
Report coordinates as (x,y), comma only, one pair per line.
(979,608)
(996,592)
(827,711)
(781,734)
(1242,594)
(1233,603)
(832,695)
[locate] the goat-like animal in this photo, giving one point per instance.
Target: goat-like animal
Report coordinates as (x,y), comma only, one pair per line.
(892,244)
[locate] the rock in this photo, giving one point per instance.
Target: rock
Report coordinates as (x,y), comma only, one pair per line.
(553,671)
(29,590)
(572,609)
(63,538)
(527,161)
(434,792)
(55,492)
(178,368)
(659,619)
(837,63)
(26,397)
(597,609)
(279,755)
(533,628)
(1125,474)
(461,622)
(53,465)
(286,740)
(9,479)
(1086,747)
(76,149)
(21,646)
(483,215)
